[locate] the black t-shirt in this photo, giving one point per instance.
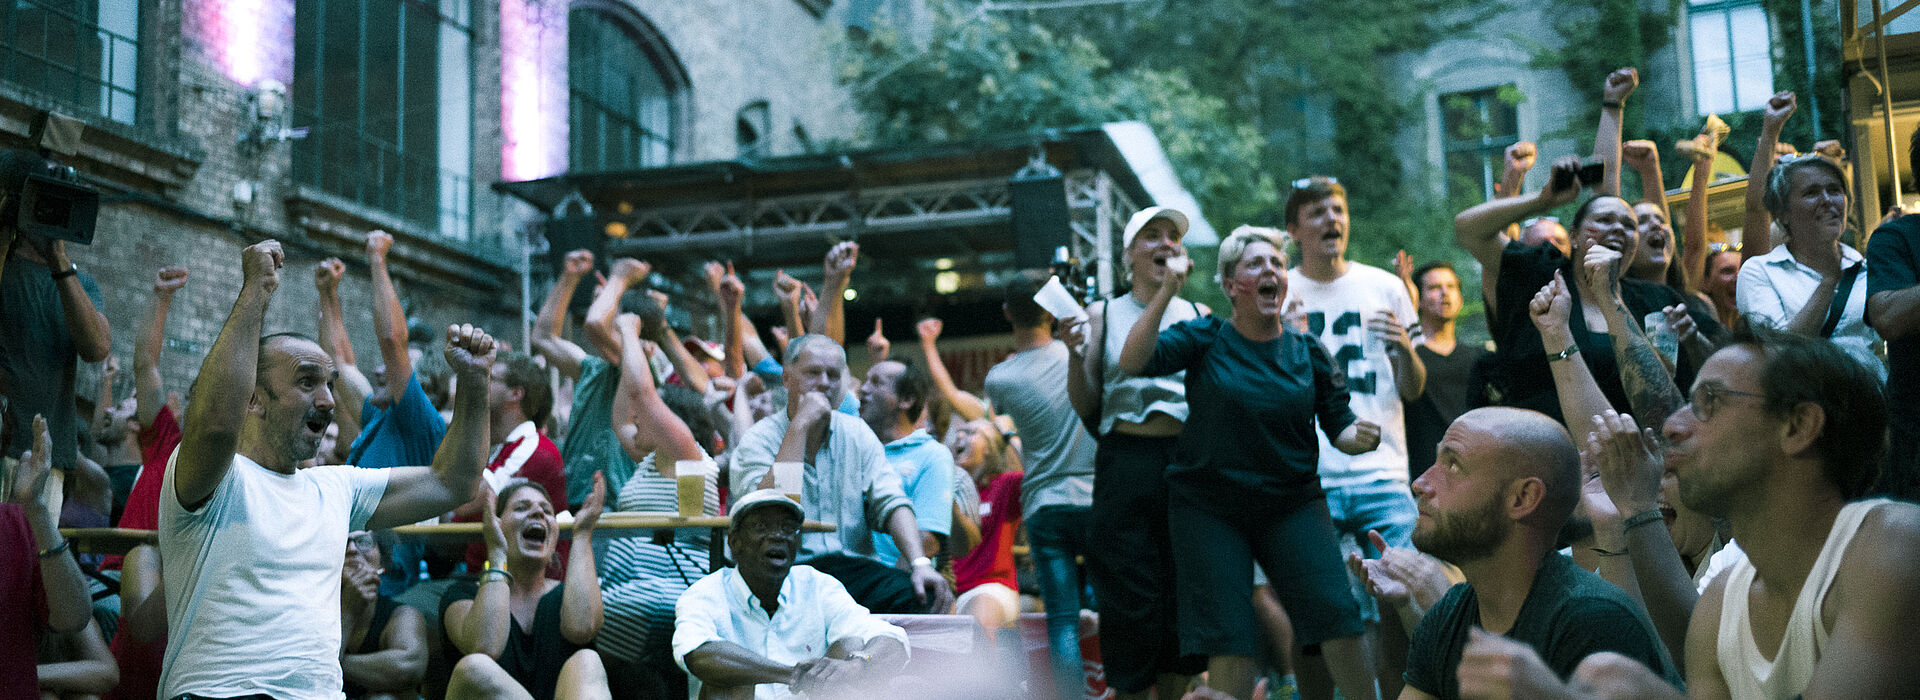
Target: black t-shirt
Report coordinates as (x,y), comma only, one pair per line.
(1570,613)
(1893,264)
(1451,385)
(1251,408)
(533,657)
(383,608)
(1520,373)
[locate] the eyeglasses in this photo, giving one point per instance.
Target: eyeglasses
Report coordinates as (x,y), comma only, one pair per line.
(764,529)
(1302,183)
(1705,399)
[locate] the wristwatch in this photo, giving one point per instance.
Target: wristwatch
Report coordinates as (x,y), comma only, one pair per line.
(865,657)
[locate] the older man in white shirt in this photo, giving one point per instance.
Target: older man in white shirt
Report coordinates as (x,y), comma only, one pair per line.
(767,628)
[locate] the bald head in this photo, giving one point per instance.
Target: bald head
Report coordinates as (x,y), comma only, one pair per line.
(1528,444)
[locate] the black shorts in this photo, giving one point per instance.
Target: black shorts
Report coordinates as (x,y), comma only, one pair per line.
(1217,539)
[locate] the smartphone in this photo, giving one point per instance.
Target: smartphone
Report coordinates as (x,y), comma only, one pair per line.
(1589,175)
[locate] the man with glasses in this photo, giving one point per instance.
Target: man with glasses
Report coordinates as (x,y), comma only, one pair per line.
(1357,311)
(1783,434)
(768,628)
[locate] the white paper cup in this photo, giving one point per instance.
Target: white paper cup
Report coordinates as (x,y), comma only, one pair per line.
(1179,264)
(787,478)
(1055,298)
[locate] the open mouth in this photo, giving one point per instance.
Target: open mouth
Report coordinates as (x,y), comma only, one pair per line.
(318,422)
(1160,260)
(534,535)
(778,555)
(1268,290)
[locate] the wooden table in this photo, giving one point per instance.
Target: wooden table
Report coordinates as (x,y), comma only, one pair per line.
(626,524)
(107,540)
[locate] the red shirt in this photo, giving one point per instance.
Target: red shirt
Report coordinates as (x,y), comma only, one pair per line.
(527,454)
(157,441)
(991,561)
(23,618)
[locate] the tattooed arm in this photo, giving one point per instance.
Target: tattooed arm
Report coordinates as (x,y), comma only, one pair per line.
(1651,393)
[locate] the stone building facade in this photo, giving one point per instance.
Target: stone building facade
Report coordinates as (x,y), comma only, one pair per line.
(412,110)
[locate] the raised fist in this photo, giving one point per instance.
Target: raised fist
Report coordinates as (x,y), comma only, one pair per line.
(729,289)
(1520,156)
(469,350)
(1620,84)
(929,329)
(841,259)
(170,279)
(260,264)
(579,262)
(631,270)
(1779,107)
(378,243)
(1641,155)
(326,275)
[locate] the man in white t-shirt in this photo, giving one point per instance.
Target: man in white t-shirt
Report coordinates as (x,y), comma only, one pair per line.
(1357,312)
(251,545)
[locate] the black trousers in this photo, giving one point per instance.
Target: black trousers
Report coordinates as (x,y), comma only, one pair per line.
(1132,568)
(880,588)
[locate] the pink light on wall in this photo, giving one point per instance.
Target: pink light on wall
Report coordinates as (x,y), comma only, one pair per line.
(533,89)
(248,40)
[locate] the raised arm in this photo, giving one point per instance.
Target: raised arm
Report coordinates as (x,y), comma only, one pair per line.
(1082,336)
(1693,238)
(580,615)
(69,607)
(1756,234)
(641,419)
(967,406)
(1410,374)
(1606,141)
(692,373)
(547,329)
(1145,333)
(1520,158)
(389,321)
(606,304)
(352,386)
(148,391)
(790,291)
(1630,469)
(722,281)
(479,626)
(100,425)
(829,317)
(1479,228)
(210,432)
(417,493)
(1651,393)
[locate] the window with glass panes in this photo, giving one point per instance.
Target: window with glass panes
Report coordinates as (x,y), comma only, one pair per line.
(623,95)
(386,88)
(81,53)
(1732,55)
(1477,126)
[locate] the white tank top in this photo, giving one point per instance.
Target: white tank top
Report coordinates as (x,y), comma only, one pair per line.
(1748,673)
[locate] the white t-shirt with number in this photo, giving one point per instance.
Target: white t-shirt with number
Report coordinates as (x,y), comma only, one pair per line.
(1337,314)
(253,579)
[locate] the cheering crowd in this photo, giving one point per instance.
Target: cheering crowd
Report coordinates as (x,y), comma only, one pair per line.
(1673,474)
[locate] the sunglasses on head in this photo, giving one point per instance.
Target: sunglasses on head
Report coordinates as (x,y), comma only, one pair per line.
(1302,183)
(1539,219)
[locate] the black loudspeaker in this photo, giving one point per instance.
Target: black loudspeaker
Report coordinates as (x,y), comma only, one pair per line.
(1040,219)
(566,234)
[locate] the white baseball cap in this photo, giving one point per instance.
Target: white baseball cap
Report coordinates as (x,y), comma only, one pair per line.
(1140,219)
(764,498)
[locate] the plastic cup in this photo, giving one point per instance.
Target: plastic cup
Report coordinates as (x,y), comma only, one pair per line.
(1055,298)
(1179,264)
(1661,336)
(691,481)
(787,478)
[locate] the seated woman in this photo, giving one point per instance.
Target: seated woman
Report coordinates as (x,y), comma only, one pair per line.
(385,655)
(76,665)
(643,577)
(1813,285)
(517,633)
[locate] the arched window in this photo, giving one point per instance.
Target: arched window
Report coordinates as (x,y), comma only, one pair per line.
(625,91)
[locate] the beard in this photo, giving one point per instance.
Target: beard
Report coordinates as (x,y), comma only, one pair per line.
(1459,538)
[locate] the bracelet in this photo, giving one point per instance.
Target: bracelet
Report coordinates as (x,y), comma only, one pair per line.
(1563,354)
(1616,104)
(922,561)
(57,549)
(71,271)
(504,576)
(1608,553)
(1651,515)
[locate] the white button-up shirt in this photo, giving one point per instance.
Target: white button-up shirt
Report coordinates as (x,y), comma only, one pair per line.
(814,612)
(1774,287)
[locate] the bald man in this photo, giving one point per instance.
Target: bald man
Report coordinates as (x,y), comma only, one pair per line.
(1505,481)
